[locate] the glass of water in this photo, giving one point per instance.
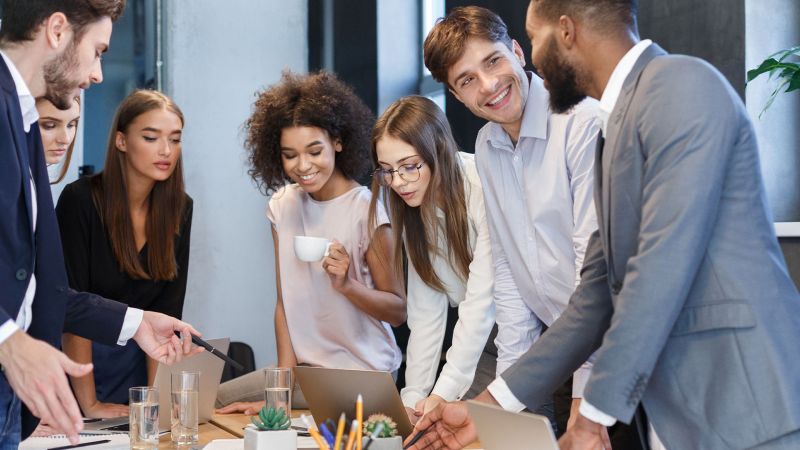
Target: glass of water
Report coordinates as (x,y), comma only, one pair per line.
(184,407)
(143,417)
(278,388)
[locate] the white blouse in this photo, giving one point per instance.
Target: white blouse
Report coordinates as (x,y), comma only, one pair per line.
(427,309)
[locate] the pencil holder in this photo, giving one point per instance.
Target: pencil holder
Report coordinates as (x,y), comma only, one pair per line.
(254,439)
(388,443)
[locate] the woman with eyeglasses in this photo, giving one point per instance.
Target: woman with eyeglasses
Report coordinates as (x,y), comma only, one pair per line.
(438,219)
(308,141)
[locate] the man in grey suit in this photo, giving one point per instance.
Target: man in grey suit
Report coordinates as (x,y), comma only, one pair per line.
(684,293)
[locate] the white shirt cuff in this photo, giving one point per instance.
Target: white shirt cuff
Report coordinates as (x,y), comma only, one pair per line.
(595,415)
(8,328)
(410,397)
(133,318)
(579,380)
(500,391)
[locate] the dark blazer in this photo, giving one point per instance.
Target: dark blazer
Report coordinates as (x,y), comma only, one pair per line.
(684,292)
(56,308)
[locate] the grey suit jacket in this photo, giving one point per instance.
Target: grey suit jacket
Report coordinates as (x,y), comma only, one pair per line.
(684,292)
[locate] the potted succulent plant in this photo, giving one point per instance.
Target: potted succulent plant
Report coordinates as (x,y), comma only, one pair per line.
(380,433)
(271,430)
(781,67)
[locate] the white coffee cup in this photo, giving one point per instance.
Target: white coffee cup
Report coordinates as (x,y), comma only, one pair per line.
(310,249)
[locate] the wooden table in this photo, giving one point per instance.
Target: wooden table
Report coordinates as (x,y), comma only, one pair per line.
(208,432)
(235,423)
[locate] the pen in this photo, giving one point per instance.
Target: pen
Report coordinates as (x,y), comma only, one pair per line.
(414,439)
(314,433)
(326,433)
(210,348)
(82,444)
(375,433)
(339,433)
(360,419)
(352,437)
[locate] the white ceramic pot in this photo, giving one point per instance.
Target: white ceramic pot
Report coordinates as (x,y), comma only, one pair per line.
(392,443)
(270,440)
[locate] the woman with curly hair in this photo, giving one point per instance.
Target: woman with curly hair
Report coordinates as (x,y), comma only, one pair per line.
(313,132)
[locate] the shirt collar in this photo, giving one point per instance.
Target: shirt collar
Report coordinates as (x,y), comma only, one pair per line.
(617,79)
(534,116)
(27,102)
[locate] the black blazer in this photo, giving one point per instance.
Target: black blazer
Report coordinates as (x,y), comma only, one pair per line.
(56,308)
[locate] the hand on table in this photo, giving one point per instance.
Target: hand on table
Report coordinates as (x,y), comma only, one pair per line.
(448,426)
(249,408)
(337,265)
(100,410)
(156,337)
(37,373)
(583,434)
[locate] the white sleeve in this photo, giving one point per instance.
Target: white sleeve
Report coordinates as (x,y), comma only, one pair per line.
(581,144)
(517,326)
(133,318)
(503,395)
(580,154)
(595,415)
(475,313)
(427,319)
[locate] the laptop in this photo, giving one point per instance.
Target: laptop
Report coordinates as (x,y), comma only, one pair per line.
(210,368)
(499,429)
(330,392)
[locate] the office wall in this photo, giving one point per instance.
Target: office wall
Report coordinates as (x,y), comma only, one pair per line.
(217,55)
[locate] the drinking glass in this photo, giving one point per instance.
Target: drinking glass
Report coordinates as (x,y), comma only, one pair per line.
(278,388)
(143,417)
(184,410)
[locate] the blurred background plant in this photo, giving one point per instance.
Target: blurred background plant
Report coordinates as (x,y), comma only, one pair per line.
(782,66)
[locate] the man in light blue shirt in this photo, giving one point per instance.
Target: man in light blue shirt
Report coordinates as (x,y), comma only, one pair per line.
(536,170)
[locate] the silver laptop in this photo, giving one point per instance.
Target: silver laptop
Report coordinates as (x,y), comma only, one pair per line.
(499,429)
(330,392)
(210,368)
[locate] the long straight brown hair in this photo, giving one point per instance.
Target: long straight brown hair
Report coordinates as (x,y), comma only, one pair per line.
(418,122)
(166,202)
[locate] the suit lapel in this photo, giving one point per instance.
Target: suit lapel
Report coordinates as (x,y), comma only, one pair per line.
(613,132)
(14,113)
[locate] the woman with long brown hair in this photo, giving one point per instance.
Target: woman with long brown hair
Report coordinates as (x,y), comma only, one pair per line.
(125,233)
(438,219)
(58,129)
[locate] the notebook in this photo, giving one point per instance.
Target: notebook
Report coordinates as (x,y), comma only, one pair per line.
(117,441)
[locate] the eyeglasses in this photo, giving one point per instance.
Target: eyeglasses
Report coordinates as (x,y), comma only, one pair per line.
(407,172)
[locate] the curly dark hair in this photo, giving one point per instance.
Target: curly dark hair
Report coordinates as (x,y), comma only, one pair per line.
(318,100)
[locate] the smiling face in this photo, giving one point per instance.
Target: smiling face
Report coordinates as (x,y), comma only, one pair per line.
(152,145)
(78,66)
(396,154)
(308,155)
(490,80)
(565,82)
(58,129)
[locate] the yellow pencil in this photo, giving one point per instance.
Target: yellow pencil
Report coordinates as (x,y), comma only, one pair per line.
(314,433)
(352,436)
(360,419)
(339,433)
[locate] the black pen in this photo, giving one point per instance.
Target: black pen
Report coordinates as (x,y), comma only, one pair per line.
(210,348)
(414,439)
(82,444)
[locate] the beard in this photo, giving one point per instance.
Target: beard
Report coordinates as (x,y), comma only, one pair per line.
(60,88)
(563,80)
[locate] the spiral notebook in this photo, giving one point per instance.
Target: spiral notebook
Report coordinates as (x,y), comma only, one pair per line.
(116,441)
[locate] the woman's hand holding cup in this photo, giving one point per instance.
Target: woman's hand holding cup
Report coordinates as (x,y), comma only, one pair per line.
(337,265)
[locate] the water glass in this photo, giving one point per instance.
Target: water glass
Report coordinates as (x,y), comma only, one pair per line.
(278,388)
(143,417)
(184,408)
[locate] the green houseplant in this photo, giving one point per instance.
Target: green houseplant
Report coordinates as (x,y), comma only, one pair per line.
(779,66)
